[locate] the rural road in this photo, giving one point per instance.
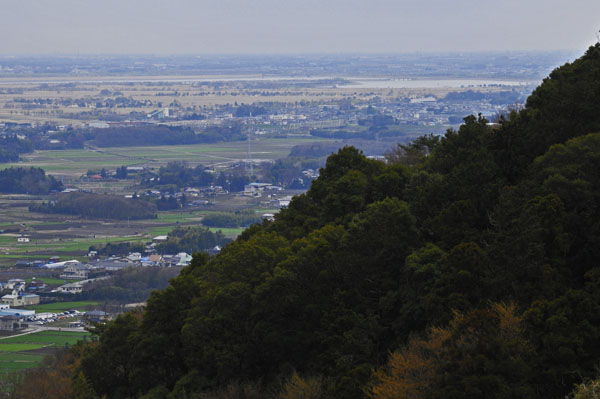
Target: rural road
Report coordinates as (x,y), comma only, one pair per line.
(33,330)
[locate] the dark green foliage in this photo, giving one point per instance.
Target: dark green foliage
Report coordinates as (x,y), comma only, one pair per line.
(288,171)
(229,219)
(121,248)
(499,98)
(215,134)
(455,207)
(132,285)
(565,105)
(249,110)
(346,185)
(107,366)
(167,204)
(315,150)
(121,172)
(484,357)
(565,332)
(27,181)
(178,174)
(191,240)
(12,146)
(102,206)
(59,141)
(374,254)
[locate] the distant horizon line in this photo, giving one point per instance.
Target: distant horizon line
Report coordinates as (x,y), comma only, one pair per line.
(298,54)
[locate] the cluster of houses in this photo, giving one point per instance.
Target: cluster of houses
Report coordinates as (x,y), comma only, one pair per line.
(79,274)
(256,189)
(136,259)
(13,318)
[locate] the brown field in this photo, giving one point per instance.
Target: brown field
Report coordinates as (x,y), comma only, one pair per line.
(174,92)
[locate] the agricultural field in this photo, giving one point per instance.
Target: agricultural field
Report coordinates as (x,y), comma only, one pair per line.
(27,351)
(70,237)
(11,361)
(147,93)
(71,164)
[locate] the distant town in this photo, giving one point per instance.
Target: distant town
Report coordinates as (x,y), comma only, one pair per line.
(114,171)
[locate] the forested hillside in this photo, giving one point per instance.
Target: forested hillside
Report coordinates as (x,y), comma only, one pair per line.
(466,267)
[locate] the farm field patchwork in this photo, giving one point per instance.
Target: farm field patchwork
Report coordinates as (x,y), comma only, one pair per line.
(11,361)
(75,163)
(26,351)
(70,237)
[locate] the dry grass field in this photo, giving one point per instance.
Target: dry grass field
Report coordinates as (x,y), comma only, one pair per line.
(182,92)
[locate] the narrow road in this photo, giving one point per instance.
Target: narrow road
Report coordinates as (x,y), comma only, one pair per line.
(33,330)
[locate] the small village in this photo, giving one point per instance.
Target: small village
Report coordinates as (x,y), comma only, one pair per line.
(20,295)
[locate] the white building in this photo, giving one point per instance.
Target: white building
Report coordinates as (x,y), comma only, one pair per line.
(21,299)
(72,288)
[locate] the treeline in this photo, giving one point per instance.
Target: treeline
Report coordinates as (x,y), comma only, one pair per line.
(287,172)
(44,137)
(374,126)
(372,133)
(315,150)
(191,240)
(245,110)
(473,258)
(48,137)
(177,175)
(118,248)
(496,98)
(27,181)
(231,219)
(70,139)
(102,206)
(11,147)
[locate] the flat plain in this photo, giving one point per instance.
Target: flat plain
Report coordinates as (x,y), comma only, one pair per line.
(75,163)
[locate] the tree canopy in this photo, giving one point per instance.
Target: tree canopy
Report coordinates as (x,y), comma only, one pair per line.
(27,181)
(472,258)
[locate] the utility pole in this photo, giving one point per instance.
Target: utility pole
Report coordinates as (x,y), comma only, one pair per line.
(248,152)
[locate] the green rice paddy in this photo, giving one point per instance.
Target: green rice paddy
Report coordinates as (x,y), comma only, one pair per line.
(23,351)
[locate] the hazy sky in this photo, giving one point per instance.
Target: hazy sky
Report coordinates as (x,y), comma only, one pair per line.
(293,26)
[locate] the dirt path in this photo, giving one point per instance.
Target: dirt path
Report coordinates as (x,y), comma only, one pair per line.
(33,330)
